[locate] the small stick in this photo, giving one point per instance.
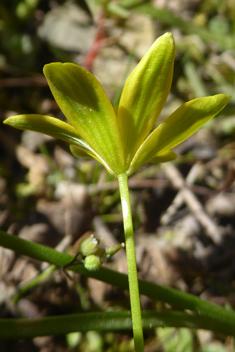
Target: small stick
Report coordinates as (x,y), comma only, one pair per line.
(179,199)
(192,202)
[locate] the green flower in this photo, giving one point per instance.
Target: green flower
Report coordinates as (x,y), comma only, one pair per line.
(121,138)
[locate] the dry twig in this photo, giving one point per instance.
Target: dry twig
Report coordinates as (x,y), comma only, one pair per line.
(192,202)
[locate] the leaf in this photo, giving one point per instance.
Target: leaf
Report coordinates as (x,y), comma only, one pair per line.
(145,94)
(180,125)
(84,102)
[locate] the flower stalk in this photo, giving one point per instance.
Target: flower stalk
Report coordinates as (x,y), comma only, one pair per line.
(131,264)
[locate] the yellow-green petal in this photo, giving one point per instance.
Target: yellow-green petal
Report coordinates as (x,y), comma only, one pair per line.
(145,94)
(164,157)
(47,125)
(79,152)
(180,125)
(84,102)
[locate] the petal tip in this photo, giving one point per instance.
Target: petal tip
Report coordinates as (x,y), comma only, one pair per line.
(228,97)
(223,98)
(8,121)
(47,68)
(168,36)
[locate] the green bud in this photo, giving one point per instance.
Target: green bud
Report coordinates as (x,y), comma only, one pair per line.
(92,262)
(89,246)
(110,251)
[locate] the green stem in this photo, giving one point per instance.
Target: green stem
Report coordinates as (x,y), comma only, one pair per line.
(33,282)
(179,300)
(131,264)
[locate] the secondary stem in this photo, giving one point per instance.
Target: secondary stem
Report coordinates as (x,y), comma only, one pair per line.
(131,264)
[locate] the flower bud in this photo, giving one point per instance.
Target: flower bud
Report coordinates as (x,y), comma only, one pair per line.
(92,262)
(110,251)
(89,246)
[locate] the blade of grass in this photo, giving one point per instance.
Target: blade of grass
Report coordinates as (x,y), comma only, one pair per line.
(175,298)
(167,17)
(126,73)
(12,329)
(34,282)
(195,80)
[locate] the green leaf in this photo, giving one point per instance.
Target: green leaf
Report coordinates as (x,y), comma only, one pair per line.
(145,94)
(180,125)
(84,102)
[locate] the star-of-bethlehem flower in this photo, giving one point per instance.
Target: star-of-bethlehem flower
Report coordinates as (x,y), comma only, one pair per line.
(121,137)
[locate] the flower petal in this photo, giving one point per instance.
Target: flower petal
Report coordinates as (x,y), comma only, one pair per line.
(145,94)
(180,125)
(84,102)
(57,129)
(79,152)
(164,157)
(45,124)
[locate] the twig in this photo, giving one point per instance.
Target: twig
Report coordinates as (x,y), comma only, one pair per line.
(192,202)
(150,183)
(179,199)
(38,81)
